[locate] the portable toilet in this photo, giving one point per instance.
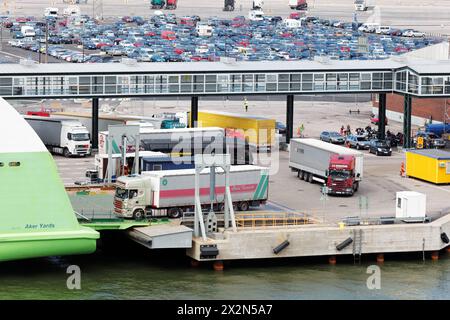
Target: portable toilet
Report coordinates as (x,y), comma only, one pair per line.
(410,206)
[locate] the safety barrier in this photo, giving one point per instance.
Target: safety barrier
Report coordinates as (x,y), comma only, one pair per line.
(272,219)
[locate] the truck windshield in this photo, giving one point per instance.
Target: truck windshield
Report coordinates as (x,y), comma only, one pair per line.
(342,174)
(122,193)
(80,136)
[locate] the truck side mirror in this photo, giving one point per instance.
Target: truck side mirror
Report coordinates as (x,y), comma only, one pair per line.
(358,175)
(326,173)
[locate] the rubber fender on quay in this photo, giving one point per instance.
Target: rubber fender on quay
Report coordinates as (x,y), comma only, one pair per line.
(344,244)
(444,237)
(281,247)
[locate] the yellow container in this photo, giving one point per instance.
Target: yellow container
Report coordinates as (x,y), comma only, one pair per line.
(259,131)
(430,165)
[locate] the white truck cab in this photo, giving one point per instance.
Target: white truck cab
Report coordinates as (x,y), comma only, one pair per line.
(75,139)
(62,136)
(361,5)
(256,15)
(51,12)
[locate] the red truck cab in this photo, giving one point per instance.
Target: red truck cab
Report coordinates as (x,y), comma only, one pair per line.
(341,175)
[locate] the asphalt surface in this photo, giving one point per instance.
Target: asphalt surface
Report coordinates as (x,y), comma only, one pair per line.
(376,195)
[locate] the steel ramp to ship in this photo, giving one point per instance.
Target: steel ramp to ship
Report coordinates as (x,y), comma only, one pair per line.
(164,236)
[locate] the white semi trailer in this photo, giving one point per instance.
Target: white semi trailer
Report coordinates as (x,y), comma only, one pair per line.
(62,136)
(339,168)
(171,192)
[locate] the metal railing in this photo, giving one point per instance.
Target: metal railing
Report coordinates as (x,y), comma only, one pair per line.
(273,219)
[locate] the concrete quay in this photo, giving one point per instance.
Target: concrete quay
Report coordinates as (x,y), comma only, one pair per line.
(321,240)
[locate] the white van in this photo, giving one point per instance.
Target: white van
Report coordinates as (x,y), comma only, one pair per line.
(383,30)
(369,27)
(28,31)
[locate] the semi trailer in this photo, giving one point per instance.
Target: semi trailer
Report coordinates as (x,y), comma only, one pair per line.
(172,192)
(259,131)
(187,141)
(340,169)
(148,161)
(62,136)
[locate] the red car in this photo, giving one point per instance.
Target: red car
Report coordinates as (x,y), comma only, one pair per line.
(375,120)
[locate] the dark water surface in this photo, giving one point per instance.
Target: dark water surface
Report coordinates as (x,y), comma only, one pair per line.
(128,271)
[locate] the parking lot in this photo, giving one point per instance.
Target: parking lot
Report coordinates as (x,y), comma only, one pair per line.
(175,37)
(376,196)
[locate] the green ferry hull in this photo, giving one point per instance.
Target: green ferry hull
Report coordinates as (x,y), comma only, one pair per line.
(36,215)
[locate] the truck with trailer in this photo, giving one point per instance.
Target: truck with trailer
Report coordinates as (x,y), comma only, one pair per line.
(340,169)
(187,141)
(171,4)
(259,131)
(361,5)
(298,4)
(171,192)
(228,5)
(157,4)
(148,161)
(438,129)
(62,136)
(51,12)
(106,120)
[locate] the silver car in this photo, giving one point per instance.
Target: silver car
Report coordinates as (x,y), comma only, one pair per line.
(358,141)
(332,137)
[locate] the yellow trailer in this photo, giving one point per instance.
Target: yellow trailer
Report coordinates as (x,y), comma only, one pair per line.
(259,131)
(431,165)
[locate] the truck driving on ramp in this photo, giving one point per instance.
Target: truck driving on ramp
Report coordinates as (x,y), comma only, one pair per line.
(172,191)
(339,168)
(62,136)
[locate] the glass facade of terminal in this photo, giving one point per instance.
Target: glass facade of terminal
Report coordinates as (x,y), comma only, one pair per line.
(407,81)
(403,81)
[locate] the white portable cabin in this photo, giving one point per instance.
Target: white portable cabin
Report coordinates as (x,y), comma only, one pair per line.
(410,205)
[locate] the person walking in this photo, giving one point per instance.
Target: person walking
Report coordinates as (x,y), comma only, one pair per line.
(342,130)
(246,104)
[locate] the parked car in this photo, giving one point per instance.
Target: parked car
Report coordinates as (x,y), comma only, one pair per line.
(413,33)
(380,147)
(332,137)
(357,141)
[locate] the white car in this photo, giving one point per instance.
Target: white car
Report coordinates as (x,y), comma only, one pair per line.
(383,30)
(413,33)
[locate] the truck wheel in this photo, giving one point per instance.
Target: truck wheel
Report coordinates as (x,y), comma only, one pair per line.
(243,206)
(138,214)
(66,153)
(355,186)
(174,213)
(310,178)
